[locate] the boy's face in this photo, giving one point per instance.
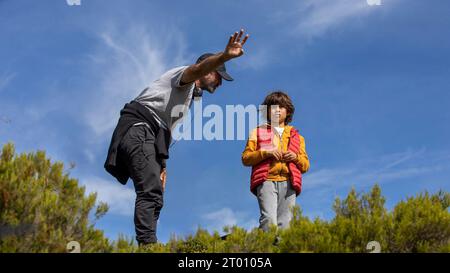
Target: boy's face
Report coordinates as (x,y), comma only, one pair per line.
(277,115)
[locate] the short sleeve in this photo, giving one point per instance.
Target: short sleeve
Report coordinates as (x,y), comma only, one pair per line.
(176,78)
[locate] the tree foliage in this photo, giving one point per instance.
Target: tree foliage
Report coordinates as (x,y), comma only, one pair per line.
(42,209)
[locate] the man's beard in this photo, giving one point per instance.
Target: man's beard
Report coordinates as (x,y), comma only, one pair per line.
(208,86)
(198,92)
(211,88)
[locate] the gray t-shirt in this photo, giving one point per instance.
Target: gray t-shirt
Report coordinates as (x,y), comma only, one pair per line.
(165,94)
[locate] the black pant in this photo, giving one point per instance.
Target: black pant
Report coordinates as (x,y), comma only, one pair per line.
(137,150)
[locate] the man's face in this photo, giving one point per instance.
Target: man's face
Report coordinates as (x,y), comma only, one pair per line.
(210,82)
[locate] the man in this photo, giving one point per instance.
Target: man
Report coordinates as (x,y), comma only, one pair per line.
(140,142)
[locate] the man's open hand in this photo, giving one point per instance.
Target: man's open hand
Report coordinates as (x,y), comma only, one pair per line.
(234,47)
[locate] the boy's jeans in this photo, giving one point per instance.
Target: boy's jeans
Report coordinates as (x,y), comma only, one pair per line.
(276,200)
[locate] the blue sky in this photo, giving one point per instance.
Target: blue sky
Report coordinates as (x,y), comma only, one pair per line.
(370,85)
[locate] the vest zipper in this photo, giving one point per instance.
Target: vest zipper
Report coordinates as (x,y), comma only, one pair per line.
(281,144)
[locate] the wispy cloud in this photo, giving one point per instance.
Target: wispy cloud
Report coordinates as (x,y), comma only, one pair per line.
(258,59)
(383,169)
(5,79)
(217,220)
(128,58)
(313,18)
(119,197)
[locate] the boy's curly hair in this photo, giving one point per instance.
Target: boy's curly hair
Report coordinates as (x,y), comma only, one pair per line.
(281,99)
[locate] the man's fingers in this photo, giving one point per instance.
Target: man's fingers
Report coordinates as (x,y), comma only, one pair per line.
(233,40)
(239,36)
(245,39)
(230,41)
(237,41)
(163,176)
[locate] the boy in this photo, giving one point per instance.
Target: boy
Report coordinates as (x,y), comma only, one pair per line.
(276,152)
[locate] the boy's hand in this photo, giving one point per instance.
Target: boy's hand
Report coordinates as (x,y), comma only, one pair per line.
(163,177)
(277,154)
(289,156)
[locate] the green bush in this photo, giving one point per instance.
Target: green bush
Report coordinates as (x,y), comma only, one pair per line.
(421,224)
(42,209)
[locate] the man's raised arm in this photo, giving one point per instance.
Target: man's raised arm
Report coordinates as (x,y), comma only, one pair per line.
(233,50)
